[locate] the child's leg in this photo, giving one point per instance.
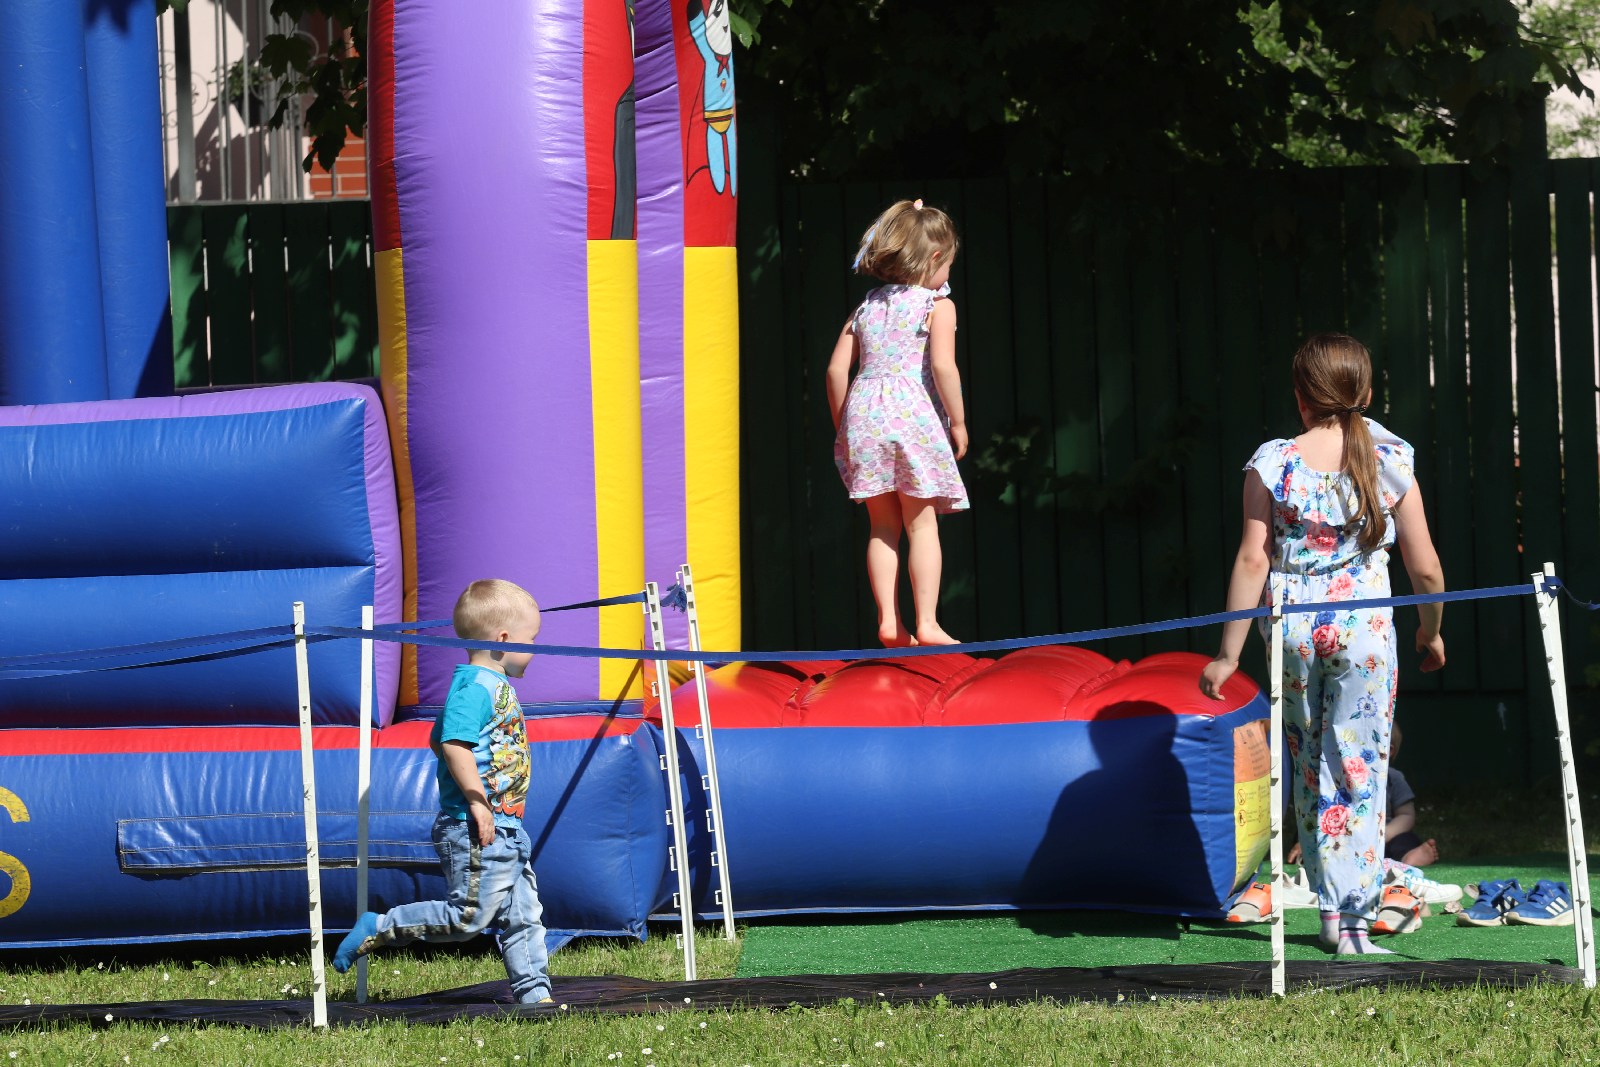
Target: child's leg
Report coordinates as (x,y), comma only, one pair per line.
(522,944)
(469,908)
(1357,682)
(883,568)
(925,563)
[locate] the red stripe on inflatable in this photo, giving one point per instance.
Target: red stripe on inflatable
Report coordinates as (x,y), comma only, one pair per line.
(277,738)
(380,127)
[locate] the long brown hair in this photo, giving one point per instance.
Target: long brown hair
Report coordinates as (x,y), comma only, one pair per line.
(1333,379)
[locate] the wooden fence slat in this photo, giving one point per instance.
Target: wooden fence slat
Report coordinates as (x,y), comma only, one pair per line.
(1498,560)
(1574,180)
(1447,493)
(992,411)
(354,306)
(1210,480)
(1075,442)
(1538,409)
(1164,555)
(1320,242)
(309,285)
(186,240)
(228,295)
(1363,262)
(1032,495)
(1114,360)
(801,377)
(269,302)
(835,548)
(1400,399)
(863,201)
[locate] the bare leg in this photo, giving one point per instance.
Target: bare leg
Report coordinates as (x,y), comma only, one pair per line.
(925,563)
(883,568)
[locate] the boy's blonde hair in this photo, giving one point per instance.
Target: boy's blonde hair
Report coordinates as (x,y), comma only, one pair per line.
(488,606)
(900,245)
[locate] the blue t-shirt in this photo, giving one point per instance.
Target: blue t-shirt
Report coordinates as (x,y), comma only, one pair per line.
(482,710)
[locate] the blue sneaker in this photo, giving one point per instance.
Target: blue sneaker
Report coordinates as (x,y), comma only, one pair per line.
(1548,904)
(366,929)
(1495,899)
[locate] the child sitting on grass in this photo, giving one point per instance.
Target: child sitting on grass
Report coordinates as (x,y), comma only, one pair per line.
(482,746)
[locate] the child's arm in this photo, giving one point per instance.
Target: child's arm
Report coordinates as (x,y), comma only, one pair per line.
(463,765)
(946,378)
(1427,576)
(1405,820)
(1250,568)
(839,364)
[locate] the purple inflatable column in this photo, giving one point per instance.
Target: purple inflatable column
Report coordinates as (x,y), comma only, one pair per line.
(517,453)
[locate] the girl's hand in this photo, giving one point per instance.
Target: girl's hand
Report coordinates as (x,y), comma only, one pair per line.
(958,438)
(1217,672)
(1432,649)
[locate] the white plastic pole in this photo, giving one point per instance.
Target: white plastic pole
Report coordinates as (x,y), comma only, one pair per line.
(308,780)
(1577,847)
(364,791)
(719,855)
(1275,758)
(678,852)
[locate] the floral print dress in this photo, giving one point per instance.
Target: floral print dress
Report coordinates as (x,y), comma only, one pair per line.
(893,435)
(1339,666)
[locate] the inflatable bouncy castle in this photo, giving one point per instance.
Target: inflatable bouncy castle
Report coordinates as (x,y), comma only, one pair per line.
(557,407)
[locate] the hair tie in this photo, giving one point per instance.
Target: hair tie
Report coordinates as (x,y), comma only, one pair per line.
(917,203)
(1358,410)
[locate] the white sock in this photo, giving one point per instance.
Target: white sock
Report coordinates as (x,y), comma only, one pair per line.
(1353,939)
(1329,935)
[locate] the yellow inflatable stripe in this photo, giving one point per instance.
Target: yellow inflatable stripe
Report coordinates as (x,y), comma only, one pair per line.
(711,437)
(618,471)
(390,271)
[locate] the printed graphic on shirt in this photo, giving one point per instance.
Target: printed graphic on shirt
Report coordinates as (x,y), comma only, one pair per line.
(506,779)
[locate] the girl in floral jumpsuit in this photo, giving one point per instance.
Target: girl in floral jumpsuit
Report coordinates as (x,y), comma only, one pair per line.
(1322,511)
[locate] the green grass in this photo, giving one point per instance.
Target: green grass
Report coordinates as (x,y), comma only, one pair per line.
(1485,1025)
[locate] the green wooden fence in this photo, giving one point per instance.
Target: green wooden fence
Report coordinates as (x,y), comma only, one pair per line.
(1121,364)
(272,292)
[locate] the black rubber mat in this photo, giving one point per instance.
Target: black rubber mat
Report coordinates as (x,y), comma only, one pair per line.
(1144,982)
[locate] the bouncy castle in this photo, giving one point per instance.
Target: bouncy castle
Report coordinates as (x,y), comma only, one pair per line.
(558,330)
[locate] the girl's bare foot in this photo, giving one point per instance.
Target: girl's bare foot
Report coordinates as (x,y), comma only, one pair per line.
(934,635)
(1423,854)
(895,635)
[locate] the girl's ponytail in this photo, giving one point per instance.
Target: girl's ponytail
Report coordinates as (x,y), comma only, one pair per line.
(1333,379)
(1361,463)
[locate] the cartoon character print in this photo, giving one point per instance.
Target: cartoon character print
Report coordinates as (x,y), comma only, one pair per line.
(713,37)
(506,780)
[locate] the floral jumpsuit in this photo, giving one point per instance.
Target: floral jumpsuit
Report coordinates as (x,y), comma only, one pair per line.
(1339,666)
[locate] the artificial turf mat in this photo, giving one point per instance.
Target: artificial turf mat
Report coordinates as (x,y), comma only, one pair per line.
(991,941)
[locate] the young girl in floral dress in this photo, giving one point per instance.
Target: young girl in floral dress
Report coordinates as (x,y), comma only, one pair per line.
(1322,510)
(901,424)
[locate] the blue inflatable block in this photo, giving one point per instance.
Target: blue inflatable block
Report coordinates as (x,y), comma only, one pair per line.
(148,520)
(210,845)
(1134,814)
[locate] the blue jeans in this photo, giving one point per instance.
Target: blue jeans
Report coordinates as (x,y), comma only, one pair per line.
(489,887)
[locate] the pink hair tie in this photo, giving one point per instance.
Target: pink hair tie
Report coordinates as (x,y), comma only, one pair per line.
(917,204)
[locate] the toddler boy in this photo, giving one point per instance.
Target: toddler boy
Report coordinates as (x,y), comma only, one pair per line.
(482,746)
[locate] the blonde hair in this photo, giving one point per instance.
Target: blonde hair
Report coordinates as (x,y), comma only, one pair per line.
(488,606)
(904,242)
(1333,379)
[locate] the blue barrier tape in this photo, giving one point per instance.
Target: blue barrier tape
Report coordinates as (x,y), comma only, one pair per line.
(230,638)
(246,641)
(1553,585)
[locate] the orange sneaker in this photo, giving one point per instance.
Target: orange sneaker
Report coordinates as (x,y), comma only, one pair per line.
(1399,913)
(1253,906)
